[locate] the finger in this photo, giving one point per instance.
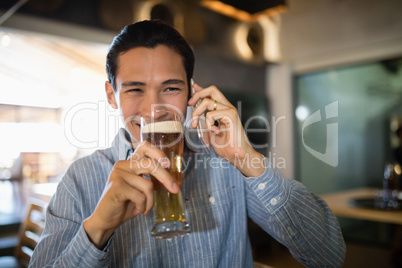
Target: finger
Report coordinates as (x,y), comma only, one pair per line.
(149,166)
(136,189)
(145,166)
(206,105)
(197,87)
(225,118)
(139,202)
(166,178)
(149,151)
(143,203)
(211,92)
(201,93)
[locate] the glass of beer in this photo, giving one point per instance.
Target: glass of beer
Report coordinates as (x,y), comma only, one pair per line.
(164,129)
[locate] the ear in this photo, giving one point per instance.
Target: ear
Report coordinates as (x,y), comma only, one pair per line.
(111,98)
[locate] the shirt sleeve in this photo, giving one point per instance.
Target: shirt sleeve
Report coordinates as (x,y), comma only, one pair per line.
(295,217)
(64,242)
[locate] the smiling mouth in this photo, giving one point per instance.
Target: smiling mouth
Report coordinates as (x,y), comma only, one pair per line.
(135,124)
(134,120)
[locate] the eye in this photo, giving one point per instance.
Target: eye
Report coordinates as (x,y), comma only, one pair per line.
(134,90)
(172,89)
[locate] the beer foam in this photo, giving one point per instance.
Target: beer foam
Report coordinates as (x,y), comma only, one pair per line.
(163,127)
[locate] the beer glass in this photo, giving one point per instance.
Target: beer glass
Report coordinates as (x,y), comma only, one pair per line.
(164,130)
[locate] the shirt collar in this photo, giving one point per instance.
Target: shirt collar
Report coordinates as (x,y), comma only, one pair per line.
(122,143)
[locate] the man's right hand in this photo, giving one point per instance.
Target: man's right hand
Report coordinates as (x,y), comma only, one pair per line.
(127,193)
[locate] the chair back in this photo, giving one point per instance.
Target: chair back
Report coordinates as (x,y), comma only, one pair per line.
(30,231)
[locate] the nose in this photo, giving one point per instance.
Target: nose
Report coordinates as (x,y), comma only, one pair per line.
(149,104)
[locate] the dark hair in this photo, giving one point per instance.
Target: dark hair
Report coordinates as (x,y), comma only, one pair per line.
(149,34)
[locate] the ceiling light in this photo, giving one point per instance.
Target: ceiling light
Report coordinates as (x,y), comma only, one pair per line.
(5,40)
(302,113)
(249,10)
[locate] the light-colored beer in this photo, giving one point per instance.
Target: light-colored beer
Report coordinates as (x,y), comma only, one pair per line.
(168,136)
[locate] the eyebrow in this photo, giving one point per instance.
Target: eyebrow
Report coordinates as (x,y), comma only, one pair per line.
(173,81)
(166,82)
(132,84)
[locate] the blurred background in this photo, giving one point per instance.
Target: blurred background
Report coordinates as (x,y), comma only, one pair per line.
(318,84)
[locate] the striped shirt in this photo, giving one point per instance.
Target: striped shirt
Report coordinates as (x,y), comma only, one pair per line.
(217,199)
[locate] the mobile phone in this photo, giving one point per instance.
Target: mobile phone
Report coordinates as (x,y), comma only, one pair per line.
(201,127)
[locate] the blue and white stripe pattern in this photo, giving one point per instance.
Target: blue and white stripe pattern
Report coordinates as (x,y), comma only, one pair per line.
(217,199)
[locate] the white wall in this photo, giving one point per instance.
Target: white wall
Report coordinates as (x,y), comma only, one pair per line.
(322,34)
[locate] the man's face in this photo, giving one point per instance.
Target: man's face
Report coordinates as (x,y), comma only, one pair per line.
(146,77)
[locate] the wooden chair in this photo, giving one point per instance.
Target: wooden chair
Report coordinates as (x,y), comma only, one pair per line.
(29,235)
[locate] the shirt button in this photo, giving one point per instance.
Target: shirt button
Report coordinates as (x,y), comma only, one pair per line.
(274,201)
(212,200)
(261,186)
(290,231)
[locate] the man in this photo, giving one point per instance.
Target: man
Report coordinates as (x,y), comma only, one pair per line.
(100,214)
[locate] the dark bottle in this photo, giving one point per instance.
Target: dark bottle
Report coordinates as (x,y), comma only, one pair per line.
(389,198)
